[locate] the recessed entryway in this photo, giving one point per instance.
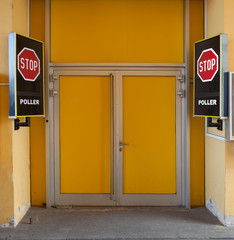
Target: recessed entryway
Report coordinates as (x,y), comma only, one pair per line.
(117,138)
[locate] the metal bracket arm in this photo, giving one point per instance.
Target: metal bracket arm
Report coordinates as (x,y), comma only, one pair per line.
(219,123)
(19,124)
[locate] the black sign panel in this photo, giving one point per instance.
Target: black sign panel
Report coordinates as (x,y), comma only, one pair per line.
(210,97)
(26,77)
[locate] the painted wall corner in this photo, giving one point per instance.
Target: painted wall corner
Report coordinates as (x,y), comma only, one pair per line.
(210,205)
(14,149)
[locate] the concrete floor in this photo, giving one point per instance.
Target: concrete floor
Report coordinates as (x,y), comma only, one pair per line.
(118,223)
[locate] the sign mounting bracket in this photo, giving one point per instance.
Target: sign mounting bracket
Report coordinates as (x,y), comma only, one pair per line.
(19,124)
(218,124)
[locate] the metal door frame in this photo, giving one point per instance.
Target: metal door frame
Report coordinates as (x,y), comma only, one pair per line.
(105,199)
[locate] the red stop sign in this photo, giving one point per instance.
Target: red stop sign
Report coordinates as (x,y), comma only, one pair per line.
(28,64)
(207,65)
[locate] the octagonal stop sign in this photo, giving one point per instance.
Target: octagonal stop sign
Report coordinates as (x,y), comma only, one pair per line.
(28,64)
(207,65)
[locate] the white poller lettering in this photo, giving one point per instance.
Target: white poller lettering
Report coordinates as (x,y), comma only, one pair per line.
(28,64)
(24,101)
(207,65)
(207,102)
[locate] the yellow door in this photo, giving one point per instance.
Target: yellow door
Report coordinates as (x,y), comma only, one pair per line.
(150,156)
(85,139)
(84,161)
(149,161)
(118,139)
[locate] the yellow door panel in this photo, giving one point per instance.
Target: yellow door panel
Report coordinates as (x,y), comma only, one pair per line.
(117,31)
(85,134)
(149,161)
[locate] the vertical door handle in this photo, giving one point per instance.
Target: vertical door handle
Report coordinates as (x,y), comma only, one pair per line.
(112,136)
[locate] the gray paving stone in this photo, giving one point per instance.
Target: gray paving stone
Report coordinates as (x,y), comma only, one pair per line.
(118,223)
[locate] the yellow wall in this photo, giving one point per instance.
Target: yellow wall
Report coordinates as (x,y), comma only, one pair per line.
(20,16)
(14,148)
(117,31)
(21,140)
(228,28)
(6,18)
(215,175)
(220,154)
(38,162)
(196,124)
(229,200)
(21,172)
(6,186)
(215,17)
(215,25)
(215,149)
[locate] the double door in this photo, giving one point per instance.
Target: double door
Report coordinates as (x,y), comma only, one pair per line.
(117,138)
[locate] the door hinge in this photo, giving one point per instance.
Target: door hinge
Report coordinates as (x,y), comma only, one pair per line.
(53,77)
(181,93)
(53,92)
(181,78)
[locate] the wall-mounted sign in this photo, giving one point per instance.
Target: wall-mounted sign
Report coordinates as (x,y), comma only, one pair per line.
(210,87)
(26,77)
